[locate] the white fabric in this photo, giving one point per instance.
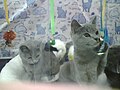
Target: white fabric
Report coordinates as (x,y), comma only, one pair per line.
(13,70)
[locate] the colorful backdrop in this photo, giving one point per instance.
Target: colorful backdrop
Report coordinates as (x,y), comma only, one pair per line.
(30,19)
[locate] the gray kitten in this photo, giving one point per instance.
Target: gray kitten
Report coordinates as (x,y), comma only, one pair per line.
(39,64)
(87,64)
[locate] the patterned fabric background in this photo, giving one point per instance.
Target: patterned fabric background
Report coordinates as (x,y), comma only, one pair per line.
(30,19)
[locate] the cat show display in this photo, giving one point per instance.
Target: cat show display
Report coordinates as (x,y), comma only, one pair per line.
(40,62)
(61,42)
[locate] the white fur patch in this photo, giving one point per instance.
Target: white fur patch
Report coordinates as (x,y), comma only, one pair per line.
(60,47)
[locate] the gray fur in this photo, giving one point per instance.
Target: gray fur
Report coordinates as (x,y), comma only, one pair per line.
(40,65)
(87,64)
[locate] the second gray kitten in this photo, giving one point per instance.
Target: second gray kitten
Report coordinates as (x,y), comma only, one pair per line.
(87,64)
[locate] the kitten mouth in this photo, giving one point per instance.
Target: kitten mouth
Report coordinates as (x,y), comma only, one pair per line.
(94,44)
(88,44)
(33,62)
(101,47)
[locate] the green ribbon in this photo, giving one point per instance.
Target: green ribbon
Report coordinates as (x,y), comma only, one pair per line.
(52,42)
(52,19)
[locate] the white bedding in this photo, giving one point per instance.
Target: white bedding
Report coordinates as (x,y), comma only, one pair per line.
(13,70)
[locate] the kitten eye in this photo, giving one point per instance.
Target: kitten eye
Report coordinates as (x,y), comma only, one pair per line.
(37,56)
(29,57)
(87,35)
(96,32)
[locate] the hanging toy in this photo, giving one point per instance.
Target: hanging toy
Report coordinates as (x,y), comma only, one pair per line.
(6,11)
(52,41)
(9,36)
(103,29)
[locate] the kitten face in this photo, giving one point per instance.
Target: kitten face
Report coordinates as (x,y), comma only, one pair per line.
(30,52)
(85,38)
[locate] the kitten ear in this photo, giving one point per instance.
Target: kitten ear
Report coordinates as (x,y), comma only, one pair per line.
(94,20)
(24,49)
(74,26)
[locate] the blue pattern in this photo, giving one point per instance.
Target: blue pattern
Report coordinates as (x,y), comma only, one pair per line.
(34,21)
(86,5)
